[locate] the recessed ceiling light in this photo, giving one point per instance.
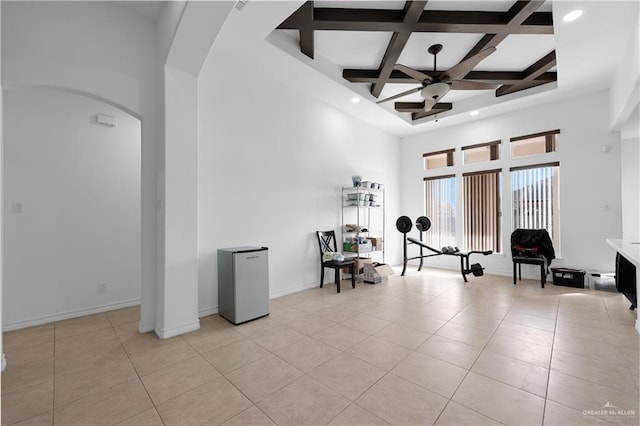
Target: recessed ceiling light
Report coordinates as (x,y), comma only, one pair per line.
(572,16)
(474,112)
(355,100)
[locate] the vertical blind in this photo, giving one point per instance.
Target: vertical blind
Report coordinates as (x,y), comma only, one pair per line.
(482,210)
(440,208)
(533,197)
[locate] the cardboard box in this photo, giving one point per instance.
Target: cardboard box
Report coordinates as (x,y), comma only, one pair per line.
(375,273)
(377,243)
(359,266)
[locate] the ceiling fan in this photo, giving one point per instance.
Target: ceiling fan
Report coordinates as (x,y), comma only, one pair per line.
(432,89)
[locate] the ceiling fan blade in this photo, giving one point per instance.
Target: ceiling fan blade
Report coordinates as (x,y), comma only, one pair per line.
(463,68)
(472,85)
(399,95)
(412,73)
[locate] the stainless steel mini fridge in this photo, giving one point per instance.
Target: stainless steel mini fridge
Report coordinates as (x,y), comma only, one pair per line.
(243,283)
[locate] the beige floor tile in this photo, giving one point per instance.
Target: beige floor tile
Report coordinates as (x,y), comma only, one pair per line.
(337,314)
(457,415)
(356,415)
(593,370)
(366,323)
(263,377)
(421,321)
(530,321)
(135,342)
(340,336)
(27,336)
(212,403)
(400,402)
(481,322)
(378,352)
(590,349)
(309,325)
(582,395)
(579,330)
(431,373)
(146,418)
(178,378)
(558,415)
(524,333)
(27,402)
(77,326)
(81,383)
(124,316)
(531,353)
(18,377)
(208,340)
(26,354)
(256,326)
(235,355)
(307,354)
(451,351)
(110,406)
(347,375)
(252,416)
(499,401)
(277,338)
(528,377)
(303,402)
(434,311)
(162,356)
(407,337)
(45,419)
(465,334)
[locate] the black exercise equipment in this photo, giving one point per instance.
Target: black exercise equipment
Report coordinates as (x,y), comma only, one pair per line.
(404,225)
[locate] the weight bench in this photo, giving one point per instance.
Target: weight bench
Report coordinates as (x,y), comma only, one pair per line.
(404,225)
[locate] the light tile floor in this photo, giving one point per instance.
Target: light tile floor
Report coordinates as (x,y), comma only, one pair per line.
(416,350)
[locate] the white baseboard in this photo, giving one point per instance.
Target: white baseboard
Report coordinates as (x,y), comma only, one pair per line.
(59,316)
(290,290)
(204,312)
(165,333)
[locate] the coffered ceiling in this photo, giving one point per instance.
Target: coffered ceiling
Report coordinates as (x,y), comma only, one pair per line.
(369,39)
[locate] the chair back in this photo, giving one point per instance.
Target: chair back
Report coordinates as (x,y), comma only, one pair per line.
(532,243)
(326,242)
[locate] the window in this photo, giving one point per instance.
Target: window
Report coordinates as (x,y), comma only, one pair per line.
(538,143)
(480,153)
(440,208)
(536,203)
(481,198)
(436,160)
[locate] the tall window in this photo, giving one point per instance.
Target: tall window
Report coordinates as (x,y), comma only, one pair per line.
(536,203)
(440,207)
(482,210)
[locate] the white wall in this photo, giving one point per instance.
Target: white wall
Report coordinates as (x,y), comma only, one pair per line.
(100,49)
(271,175)
(590,200)
(78,185)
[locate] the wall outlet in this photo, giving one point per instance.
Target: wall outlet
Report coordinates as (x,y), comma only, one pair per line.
(102,287)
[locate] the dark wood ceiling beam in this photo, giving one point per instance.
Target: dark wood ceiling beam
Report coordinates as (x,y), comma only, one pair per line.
(398,77)
(412,12)
(432,21)
(517,14)
(306,32)
(433,111)
(530,75)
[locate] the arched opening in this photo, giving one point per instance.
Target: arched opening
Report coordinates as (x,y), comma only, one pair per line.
(72,187)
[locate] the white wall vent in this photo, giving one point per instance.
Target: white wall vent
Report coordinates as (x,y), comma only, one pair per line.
(240,4)
(106,120)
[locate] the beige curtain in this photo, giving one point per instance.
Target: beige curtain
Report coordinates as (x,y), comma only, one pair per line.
(482,211)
